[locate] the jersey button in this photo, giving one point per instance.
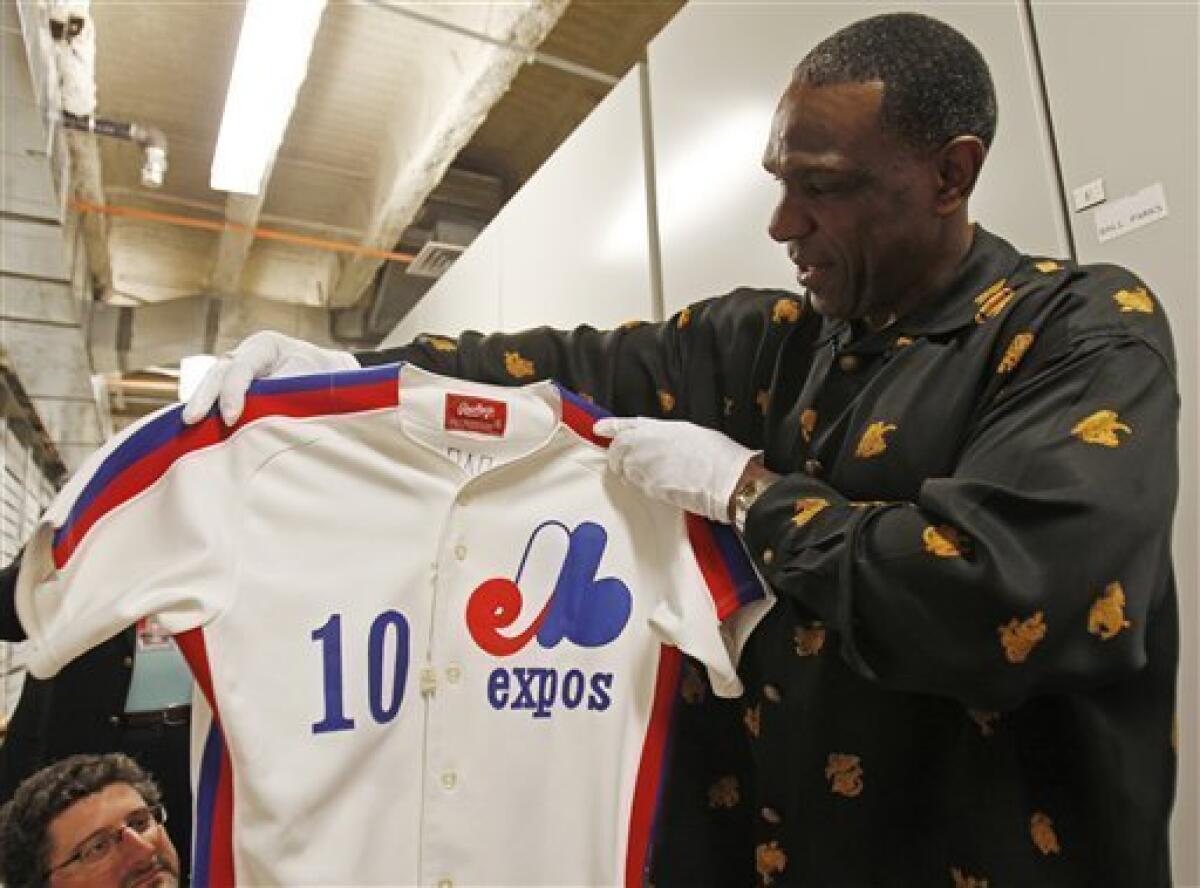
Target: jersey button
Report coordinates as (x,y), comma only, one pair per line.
(128,662)
(453,674)
(460,552)
(849,363)
(449,780)
(772,693)
(813,466)
(768,556)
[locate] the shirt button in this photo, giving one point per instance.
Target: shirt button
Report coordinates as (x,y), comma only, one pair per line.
(460,551)
(768,556)
(453,674)
(813,466)
(449,780)
(772,693)
(114,720)
(849,363)
(128,661)
(771,815)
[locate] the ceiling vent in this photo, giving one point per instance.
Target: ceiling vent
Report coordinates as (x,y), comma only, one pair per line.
(439,252)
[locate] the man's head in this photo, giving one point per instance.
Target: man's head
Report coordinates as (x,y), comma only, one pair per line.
(878,142)
(88,820)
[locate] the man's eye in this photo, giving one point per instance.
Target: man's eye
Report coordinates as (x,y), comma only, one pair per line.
(97,848)
(139,823)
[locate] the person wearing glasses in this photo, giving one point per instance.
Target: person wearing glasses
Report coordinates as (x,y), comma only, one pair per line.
(93,820)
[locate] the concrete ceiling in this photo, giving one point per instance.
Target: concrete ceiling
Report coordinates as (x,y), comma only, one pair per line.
(401,130)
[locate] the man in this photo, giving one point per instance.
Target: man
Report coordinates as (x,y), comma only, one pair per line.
(963,502)
(111,699)
(91,820)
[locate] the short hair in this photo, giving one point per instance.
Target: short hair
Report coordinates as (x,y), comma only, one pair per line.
(936,84)
(41,797)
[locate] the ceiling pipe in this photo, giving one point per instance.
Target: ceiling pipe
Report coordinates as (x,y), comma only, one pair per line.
(151,139)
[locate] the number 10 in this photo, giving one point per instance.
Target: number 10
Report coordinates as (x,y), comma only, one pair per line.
(383,711)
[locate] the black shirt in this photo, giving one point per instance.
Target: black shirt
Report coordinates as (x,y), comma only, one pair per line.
(969,677)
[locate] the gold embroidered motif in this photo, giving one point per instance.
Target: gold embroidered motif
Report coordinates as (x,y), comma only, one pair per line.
(1041,828)
(753,719)
(993,300)
(872,442)
(629,325)
(807,509)
(692,688)
(685,318)
(866,504)
(725,793)
(903,341)
(785,310)
(762,399)
(517,366)
(586,397)
(1101,428)
(986,720)
(729,406)
(1015,351)
(441,343)
(944,541)
(1047,266)
(1018,637)
(809,640)
(1138,300)
(962,880)
(845,773)
(1107,616)
(666,401)
(770,861)
(808,423)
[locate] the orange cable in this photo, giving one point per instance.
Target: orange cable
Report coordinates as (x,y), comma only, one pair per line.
(318,243)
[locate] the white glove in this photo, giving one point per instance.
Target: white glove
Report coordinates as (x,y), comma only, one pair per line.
(260,355)
(684,464)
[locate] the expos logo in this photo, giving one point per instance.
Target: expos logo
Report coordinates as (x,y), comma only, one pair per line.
(585,610)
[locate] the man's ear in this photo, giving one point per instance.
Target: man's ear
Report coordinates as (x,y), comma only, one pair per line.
(958,163)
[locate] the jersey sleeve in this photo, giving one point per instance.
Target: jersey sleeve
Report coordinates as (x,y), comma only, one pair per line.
(714,601)
(146,526)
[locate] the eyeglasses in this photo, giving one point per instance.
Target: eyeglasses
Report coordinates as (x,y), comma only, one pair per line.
(143,821)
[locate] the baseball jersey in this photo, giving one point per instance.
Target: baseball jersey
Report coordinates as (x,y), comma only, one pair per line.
(438,641)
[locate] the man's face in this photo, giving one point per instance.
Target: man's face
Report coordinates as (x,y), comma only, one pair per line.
(146,860)
(857,210)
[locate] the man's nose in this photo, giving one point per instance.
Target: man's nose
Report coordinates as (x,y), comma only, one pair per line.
(790,221)
(135,845)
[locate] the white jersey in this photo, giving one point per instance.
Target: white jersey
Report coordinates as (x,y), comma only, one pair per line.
(427,622)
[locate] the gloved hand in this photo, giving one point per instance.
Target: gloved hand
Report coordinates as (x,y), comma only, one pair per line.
(681,463)
(262,354)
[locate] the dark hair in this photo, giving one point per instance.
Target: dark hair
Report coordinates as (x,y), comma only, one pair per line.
(25,821)
(936,84)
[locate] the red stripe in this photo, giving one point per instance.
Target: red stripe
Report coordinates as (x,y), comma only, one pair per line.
(712,566)
(650,770)
(191,645)
(581,422)
(211,431)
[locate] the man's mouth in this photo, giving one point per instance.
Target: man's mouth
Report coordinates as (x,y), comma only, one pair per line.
(145,877)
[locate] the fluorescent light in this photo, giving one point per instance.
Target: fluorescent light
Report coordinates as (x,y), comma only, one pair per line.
(191,371)
(272,59)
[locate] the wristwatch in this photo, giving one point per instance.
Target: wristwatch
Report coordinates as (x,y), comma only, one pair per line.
(746,496)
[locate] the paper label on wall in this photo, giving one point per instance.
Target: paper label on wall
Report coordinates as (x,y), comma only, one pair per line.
(1119,217)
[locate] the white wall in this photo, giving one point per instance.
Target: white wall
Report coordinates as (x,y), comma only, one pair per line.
(1122,84)
(571,247)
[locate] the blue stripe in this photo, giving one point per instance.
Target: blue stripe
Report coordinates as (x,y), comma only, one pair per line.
(582,403)
(737,562)
(162,430)
(150,437)
(206,799)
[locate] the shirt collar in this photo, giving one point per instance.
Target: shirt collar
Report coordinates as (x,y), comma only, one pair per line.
(990,261)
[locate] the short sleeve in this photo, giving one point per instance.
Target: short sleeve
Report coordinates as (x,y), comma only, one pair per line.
(145,527)
(715,599)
